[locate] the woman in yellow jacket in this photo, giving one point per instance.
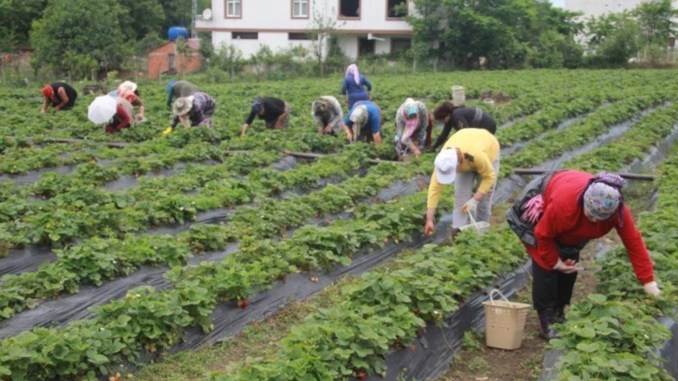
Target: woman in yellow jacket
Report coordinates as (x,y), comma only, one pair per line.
(470,156)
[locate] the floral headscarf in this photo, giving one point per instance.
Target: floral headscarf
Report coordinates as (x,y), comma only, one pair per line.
(602,196)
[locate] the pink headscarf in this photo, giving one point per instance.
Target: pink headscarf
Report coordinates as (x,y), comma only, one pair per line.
(352,69)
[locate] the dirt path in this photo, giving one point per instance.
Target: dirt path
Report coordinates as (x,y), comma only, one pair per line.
(476,362)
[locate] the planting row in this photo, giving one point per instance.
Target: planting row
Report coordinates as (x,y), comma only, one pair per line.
(615,334)
(633,145)
(384,310)
(155,320)
(112,214)
(554,143)
(97,260)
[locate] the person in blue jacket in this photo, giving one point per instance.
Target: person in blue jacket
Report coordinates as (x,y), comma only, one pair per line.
(363,122)
(355,86)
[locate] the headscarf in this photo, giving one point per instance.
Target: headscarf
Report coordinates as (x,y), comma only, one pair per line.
(257,105)
(48,91)
(359,116)
(321,107)
(409,108)
(352,70)
(127,85)
(602,196)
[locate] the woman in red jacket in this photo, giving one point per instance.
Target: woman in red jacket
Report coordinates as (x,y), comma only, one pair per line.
(123,117)
(555,218)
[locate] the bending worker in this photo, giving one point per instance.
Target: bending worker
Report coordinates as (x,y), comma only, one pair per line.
(59,95)
(355,86)
(328,115)
(459,117)
(555,218)
(191,111)
(123,117)
(176,89)
(469,155)
(274,112)
(128,91)
(363,123)
(413,128)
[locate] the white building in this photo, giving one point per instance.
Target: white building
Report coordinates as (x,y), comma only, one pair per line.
(364,26)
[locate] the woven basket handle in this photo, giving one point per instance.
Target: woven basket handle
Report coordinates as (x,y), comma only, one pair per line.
(497,291)
(473,221)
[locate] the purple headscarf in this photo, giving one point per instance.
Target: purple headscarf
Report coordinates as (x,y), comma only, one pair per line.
(352,70)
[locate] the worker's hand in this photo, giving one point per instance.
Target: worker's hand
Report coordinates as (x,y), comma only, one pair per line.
(652,289)
(327,129)
(429,227)
(567,268)
(470,207)
(416,151)
(243,131)
(166,131)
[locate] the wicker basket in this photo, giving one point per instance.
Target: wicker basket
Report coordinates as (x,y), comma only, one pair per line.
(504,322)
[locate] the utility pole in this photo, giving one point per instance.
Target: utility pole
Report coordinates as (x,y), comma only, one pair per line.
(194,12)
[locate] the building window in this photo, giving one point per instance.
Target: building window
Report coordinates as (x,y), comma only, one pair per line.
(365,46)
(400,45)
(299,9)
(233,8)
(298,36)
(349,8)
(396,9)
(244,35)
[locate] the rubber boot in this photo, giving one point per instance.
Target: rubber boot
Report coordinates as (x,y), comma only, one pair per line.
(559,314)
(547,318)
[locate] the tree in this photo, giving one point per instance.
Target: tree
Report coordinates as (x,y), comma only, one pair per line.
(612,39)
(262,61)
(85,30)
(141,17)
(228,58)
(503,31)
(178,12)
(323,28)
(16,17)
(655,19)
(427,24)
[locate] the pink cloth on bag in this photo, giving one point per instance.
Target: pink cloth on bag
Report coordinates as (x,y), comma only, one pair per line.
(533,209)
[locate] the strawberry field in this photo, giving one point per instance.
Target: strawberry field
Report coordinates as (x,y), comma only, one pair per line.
(117,250)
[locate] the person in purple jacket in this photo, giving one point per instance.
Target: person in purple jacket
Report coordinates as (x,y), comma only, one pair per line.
(355,86)
(191,111)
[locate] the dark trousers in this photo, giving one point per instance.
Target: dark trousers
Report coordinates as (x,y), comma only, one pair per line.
(553,288)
